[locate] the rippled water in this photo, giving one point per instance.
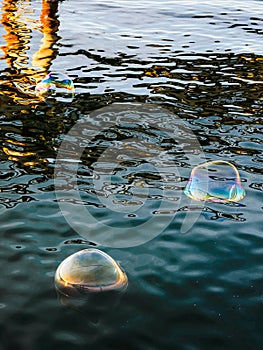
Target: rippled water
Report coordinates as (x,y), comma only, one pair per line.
(202,63)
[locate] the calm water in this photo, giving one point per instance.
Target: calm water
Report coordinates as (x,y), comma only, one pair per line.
(202,63)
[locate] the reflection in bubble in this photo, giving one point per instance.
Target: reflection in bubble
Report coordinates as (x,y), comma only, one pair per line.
(89,271)
(56,86)
(216,181)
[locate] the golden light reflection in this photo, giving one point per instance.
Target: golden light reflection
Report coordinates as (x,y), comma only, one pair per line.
(17,35)
(50,24)
(20,29)
(13,153)
(157,71)
(26,67)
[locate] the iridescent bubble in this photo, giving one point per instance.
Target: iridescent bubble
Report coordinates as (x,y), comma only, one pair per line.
(89,271)
(55,86)
(216,181)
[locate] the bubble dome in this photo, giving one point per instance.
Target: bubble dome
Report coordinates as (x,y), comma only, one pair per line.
(215,181)
(89,271)
(57,86)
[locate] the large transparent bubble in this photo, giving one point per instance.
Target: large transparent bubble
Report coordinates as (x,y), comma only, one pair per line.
(216,181)
(55,86)
(89,271)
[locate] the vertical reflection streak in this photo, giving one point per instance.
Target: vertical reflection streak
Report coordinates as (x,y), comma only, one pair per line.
(19,33)
(49,26)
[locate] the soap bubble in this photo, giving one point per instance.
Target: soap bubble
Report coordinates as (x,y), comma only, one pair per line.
(89,271)
(55,86)
(216,181)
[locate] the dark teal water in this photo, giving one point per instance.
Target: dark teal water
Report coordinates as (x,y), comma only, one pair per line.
(201,62)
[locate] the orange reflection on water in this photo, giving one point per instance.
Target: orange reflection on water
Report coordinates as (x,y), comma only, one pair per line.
(50,25)
(11,152)
(20,27)
(26,66)
(17,37)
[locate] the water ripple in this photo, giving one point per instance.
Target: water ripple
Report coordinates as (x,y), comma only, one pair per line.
(202,61)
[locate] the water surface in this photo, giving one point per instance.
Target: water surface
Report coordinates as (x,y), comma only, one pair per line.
(203,63)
